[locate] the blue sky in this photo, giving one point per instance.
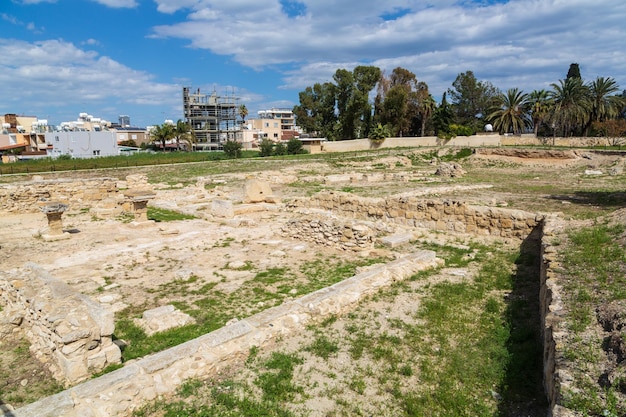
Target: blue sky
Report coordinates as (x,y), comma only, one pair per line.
(59,58)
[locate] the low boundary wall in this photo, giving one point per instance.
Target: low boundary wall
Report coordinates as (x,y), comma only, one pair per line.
(119,392)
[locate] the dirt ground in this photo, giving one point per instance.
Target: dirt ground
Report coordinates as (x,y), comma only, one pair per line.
(121,265)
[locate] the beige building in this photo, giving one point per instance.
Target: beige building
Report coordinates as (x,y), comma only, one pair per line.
(275,124)
(23,134)
(123,134)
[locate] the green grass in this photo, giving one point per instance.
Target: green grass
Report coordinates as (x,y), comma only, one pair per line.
(467,344)
(164,215)
(594,264)
(212,308)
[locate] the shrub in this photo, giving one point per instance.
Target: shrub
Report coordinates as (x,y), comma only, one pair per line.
(460,130)
(232,149)
(266,147)
(280,149)
(294,146)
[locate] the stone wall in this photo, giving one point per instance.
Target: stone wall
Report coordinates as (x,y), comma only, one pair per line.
(330,232)
(555,373)
(445,215)
(407,142)
(119,392)
(68,331)
(25,197)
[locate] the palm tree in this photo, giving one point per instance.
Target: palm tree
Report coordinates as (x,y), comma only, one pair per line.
(427,105)
(603,104)
(571,105)
(540,105)
(243,113)
(511,112)
(184,133)
(163,133)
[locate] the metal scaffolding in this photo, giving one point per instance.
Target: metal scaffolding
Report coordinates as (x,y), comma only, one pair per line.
(212,118)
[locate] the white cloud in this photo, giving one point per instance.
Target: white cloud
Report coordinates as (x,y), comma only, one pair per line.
(59,72)
(118,4)
(436,41)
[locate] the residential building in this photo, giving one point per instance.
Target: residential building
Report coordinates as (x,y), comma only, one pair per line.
(23,135)
(276,124)
(137,134)
(82,143)
(85,122)
(212,118)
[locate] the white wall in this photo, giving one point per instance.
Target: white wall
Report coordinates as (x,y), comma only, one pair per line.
(82,144)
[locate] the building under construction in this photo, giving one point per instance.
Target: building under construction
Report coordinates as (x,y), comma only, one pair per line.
(212,118)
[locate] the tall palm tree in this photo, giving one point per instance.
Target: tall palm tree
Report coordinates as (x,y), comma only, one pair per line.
(604,103)
(511,112)
(243,113)
(162,133)
(571,105)
(427,105)
(540,104)
(183,133)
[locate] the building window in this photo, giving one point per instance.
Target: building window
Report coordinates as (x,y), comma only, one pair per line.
(267,124)
(133,137)
(275,135)
(56,138)
(96,153)
(276,124)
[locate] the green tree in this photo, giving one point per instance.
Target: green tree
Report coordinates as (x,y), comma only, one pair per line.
(510,113)
(605,104)
(443,117)
(163,133)
(540,105)
(232,149)
(573,71)
(243,113)
(316,112)
(184,133)
(379,133)
(294,146)
(280,149)
(571,108)
(426,106)
(471,100)
(397,101)
(266,147)
(344,84)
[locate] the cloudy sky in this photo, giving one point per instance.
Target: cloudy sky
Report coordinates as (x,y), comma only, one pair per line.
(59,58)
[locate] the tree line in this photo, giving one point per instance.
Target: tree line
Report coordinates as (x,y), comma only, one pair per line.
(364,102)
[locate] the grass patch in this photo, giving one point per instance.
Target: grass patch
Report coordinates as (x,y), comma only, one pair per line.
(212,308)
(594,266)
(164,215)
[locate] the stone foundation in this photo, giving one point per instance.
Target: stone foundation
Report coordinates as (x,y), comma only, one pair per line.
(67,330)
(555,371)
(119,392)
(445,215)
(27,197)
(330,232)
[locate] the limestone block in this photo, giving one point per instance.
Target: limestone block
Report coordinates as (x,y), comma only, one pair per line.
(256,191)
(222,208)
(163,318)
(73,370)
(396,240)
